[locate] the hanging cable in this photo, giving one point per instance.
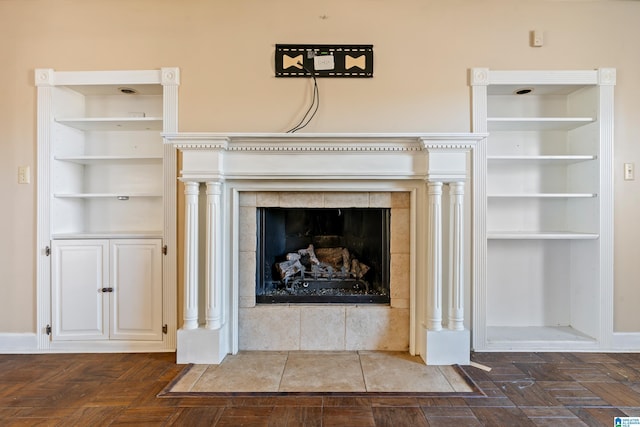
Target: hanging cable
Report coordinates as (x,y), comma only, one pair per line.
(315,101)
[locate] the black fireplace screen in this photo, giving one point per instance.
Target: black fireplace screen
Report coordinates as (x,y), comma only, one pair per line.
(323,255)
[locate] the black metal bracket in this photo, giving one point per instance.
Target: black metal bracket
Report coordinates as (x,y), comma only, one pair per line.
(349,60)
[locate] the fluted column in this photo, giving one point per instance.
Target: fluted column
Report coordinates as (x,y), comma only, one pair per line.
(191,191)
(214,265)
(434,282)
(456,256)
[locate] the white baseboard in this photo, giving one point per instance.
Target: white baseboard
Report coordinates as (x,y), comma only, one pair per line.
(27,343)
(11,343)
(626,341)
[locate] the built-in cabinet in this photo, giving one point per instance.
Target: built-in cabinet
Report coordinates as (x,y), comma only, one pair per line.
(106,218)
(107,289)
(544,226)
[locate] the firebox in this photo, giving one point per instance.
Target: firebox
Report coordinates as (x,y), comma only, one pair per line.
(324,255)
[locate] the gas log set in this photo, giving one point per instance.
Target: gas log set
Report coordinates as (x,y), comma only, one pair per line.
(310,265)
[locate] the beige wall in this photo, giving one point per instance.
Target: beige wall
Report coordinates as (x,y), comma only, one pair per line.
(422,48)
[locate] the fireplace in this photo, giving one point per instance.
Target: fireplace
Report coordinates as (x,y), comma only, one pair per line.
(410,174)
(323,255)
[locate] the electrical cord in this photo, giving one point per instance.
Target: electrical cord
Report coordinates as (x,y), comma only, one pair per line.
(314,101)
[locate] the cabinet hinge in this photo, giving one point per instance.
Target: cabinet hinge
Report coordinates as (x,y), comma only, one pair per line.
(164,329)
(47,329)
(47,251)
(164,250)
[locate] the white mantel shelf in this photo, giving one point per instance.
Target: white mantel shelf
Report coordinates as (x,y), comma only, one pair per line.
(423,164)
(345,137)
(258,155)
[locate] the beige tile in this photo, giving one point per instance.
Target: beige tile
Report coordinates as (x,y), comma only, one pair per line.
(247,274)
(326,371)
(268,199)
(244,372)
(400,231)
(401,372)
(247,198)
(298,199)
(273,327)
(377,328)
(400,275)
(247,302)
(401,200)
(346,200)
(322,371)
(322,328)
(187,382)
(455,379)
(380,200)
(247,229)
(399,302)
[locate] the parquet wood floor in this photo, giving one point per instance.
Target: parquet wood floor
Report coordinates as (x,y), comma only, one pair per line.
(522,389)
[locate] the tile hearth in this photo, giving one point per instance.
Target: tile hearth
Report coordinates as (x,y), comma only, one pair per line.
(321,372)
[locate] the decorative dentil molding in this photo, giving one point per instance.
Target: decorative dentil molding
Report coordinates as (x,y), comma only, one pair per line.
(309,143)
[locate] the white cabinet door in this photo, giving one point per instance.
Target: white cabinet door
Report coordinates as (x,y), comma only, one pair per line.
(79,273)
(136,300)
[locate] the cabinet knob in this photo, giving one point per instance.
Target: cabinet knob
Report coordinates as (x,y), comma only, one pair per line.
(106,290)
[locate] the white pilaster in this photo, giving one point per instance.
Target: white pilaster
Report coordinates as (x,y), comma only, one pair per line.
(434,278)
(191,191)
(456,256)
(214,290)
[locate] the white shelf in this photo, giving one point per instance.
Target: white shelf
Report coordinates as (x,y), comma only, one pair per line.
(543,195)
(537,337)
(536,123)
(104,195)
(542,159)
(113,123)
(97,160)
(540,235)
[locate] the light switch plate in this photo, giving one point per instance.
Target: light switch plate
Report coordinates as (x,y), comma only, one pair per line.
(24,174)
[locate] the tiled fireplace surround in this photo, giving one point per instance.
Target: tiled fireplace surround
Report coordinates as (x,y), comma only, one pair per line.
(325,326)
(407,173)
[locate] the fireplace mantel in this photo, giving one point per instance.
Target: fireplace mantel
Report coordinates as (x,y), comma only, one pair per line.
(378,155)
(421,164)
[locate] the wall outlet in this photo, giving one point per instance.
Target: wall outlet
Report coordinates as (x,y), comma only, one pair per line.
(629,172)
(537,38)
(24,174)
(323,62)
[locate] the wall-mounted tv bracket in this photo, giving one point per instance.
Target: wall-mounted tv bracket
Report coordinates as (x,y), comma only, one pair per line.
(324,60)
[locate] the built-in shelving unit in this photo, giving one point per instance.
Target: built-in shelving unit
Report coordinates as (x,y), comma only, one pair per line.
(544,270)
(106,209)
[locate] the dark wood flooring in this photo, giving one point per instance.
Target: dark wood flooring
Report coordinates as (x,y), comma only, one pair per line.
(522,389)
